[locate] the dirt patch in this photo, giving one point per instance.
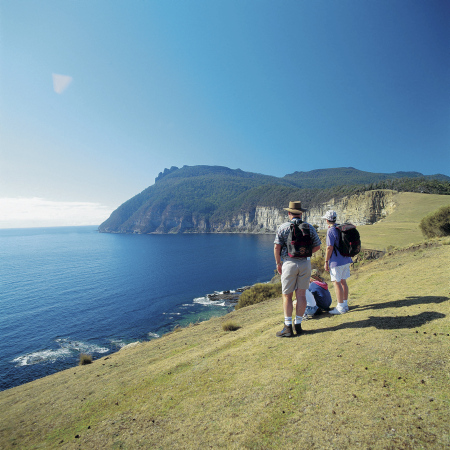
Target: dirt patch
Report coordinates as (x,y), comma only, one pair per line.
(413,248)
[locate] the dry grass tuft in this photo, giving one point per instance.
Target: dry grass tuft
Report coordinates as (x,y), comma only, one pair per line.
(85,359)
(230,325)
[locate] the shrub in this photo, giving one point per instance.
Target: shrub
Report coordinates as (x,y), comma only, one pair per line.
(436,224)
(229,325)
(258,293)
(318,260)
(85,359)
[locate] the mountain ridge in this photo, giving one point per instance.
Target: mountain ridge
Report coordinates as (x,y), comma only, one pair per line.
(205,198)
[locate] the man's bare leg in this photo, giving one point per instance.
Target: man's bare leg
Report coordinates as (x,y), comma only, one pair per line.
(340,290)
(287,305)
(301,302)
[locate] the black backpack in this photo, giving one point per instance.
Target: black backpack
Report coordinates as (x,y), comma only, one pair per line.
(299,242)
(349,240)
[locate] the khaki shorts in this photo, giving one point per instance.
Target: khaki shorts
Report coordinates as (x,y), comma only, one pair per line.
(295,275)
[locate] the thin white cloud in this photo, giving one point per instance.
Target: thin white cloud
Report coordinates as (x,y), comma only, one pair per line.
(39,212)
(61,82)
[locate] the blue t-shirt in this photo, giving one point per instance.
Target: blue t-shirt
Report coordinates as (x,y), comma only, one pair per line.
(336,258)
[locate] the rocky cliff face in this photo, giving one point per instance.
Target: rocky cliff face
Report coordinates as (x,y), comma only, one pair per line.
(361,209)
(262,219)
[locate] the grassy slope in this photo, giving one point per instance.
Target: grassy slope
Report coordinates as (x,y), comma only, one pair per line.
(400,228)
(377,377)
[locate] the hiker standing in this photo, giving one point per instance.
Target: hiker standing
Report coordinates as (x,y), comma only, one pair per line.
(294,242)
(336,264)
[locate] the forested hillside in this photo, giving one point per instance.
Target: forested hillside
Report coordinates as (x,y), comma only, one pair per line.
(190,198)
(325,178)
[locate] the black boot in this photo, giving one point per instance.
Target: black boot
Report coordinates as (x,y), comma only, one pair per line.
(286,331)
(298,329)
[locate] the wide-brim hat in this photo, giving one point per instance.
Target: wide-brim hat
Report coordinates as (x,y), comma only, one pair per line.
(295,208)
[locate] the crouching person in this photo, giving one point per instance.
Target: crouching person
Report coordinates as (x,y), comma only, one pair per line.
(295,241)
(318,296)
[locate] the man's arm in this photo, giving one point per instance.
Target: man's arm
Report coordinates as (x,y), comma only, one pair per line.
(315,238)
(277,253)
(328,254)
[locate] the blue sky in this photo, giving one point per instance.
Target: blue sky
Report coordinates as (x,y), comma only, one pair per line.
(97,97)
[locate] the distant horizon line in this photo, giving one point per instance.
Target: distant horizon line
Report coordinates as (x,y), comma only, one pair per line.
(46,226)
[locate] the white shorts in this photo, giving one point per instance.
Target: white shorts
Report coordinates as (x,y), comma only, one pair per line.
(340,272)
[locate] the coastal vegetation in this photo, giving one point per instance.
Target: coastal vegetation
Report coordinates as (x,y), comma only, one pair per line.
(437,223)
(258,293)
(230,325)
(401,228)
(85,359)
(199,195)
(376,377)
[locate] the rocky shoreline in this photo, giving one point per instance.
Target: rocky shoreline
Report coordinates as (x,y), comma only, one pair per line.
(231,297)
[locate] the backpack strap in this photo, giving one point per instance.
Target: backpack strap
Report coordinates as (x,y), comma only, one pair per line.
(339,237)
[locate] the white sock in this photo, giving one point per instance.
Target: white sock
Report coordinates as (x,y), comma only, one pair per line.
(298,319)
(345,303)
(288,320)
(340,306)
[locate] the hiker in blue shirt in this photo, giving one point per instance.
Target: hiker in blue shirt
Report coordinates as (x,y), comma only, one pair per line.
(295,270)
(336,264)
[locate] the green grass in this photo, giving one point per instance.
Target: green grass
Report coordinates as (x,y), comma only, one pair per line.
(377,377)
(401,227)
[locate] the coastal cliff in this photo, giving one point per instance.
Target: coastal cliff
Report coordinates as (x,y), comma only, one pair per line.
(214,199)
(360,209)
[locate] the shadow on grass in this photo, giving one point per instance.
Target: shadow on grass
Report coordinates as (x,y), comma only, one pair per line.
(385,323)
(391,322)
(408,301)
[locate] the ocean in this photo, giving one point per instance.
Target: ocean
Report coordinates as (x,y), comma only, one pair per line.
(71,290)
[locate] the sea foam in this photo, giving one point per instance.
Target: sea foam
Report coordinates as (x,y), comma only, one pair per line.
(67,349)
(205,301)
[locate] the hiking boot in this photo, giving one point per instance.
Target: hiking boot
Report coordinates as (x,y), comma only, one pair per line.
(298,329)
(286,331)
(338,310)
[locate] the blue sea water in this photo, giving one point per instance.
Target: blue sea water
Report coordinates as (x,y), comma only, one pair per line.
(71,290)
